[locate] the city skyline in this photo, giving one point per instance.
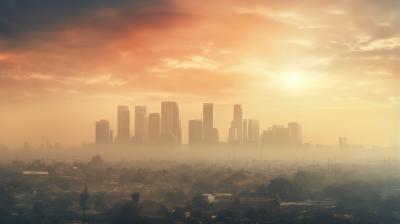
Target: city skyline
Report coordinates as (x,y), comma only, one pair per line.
(333,66)
(164,129)
(222,136)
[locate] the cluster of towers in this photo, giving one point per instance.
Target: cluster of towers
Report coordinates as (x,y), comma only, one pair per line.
(243,131)
(281,136)
(247,132)
(165,128)
(203,131)
(156,128)
(153,128)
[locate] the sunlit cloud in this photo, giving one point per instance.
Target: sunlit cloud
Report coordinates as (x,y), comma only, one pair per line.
(382,44)
(34,76)
(195,62)
(106,79)
(395,99)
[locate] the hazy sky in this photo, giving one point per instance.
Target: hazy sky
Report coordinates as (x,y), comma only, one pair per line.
(333,66)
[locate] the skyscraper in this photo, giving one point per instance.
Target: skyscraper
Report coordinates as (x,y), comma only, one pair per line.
(210,134)
(195,132)
(253,132)
(123,117)
(103,133)
(236,129)
(214,136)
(170,123)
(208,121)
(154,128)
(277,136)
(295,134)
(140,124)
(245,129)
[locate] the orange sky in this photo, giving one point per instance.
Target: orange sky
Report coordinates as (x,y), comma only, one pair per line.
(333,66)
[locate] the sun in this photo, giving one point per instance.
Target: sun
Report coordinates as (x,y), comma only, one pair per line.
(293,81)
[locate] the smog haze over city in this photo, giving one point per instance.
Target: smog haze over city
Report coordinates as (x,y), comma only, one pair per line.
(184,111)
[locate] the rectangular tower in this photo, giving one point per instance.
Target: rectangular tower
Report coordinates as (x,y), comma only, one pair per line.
(253,132)
(236,129)
(140,124)
(208,121)
(295,133)
(154,128)
(170,123)
(195,132)
(103,133)
(123,130)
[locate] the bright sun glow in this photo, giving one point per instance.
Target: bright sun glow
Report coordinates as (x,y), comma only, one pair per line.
(293,81)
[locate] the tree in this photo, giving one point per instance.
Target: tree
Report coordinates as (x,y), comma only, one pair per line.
(199,201)
(285,189)
(7,204)
(127,213)
(135,198)
(83,201)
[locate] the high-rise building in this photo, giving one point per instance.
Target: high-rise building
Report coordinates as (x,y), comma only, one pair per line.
(232,133)
(214,136)
(295,134)
(236,129)
(140,124)
(154,128)
(103,133)
(123,117)
(277,136)
(208,122)
(195,132)
(245,130)
(253,132)
(170,123)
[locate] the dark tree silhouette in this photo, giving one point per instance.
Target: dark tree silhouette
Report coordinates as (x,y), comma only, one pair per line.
(135,198)
(127,213)
(83,201)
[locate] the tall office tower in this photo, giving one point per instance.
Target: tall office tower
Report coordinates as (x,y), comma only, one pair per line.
(111,135)
(208,123)
(245,130)
(140,124)
(236,129)
(154,128)
(170,123)
(282,136)
(295,134)
(123,134)
(214,136)
(253,133)
(277,136)
(103,132)
(195,132)
(232,133)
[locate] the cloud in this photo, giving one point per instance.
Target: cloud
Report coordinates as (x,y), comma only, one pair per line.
(395,99)
(22,18)
(35,76)
(317,61)
(102,79)
(379,73)
(149,45)
(382,44)
(191,62)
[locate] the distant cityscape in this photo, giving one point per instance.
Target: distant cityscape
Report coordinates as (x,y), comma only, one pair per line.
(165,129)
